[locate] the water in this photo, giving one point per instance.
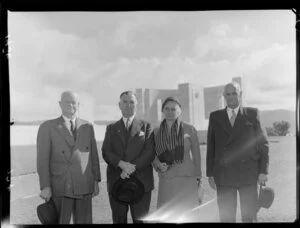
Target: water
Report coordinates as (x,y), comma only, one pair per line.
(26,135)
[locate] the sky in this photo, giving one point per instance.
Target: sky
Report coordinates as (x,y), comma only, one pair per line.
(101,54)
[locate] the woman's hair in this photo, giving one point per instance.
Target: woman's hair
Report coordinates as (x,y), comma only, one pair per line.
(170,99)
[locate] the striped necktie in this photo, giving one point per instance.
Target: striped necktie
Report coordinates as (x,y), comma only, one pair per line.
(233,116)
(127,124)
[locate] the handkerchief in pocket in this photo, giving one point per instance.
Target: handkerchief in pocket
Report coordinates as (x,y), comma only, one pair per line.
(141,133)
(186,136)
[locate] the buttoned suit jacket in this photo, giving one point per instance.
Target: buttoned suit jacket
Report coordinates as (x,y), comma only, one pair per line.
(63,162)
(138,150)
(236,155)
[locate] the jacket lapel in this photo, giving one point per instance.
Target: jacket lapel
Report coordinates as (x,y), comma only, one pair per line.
(135,128)
(78,125)
(120,129)
(224,121)
(64,131)
(238,125)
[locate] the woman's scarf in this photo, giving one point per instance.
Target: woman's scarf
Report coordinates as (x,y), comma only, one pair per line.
(170,148)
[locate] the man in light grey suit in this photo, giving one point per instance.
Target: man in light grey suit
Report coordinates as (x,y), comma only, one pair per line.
(68,162)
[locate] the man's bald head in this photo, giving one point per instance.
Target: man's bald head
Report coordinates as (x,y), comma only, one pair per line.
(232,94)
(69,103)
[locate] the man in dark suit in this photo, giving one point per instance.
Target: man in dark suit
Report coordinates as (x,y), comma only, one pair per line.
(128,150)
(237,156)
(68,163)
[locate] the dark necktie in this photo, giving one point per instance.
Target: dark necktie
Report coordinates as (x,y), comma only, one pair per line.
(73,129)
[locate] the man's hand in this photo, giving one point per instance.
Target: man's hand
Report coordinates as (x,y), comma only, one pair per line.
(212,183)
(262,179)
(124,175)
(46,193)
(127,167)
(96,190)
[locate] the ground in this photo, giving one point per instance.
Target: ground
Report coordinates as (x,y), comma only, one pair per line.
(282,177)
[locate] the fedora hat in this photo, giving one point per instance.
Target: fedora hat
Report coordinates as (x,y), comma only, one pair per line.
(47,213)
(128,191)
(266,197)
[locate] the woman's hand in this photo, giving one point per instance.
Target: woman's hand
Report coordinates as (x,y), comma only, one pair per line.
(163,167)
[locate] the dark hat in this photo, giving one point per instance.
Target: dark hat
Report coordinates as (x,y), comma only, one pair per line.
(48,213)
(168,99)
(266,197)
(128,191)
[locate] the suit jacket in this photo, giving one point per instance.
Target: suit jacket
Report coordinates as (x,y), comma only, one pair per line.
(138,150)
(236,155)
(191,165)
(69,167)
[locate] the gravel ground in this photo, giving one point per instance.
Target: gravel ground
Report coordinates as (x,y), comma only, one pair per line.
(25,188)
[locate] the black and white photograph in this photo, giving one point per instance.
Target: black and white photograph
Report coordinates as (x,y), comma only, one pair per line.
(152,116)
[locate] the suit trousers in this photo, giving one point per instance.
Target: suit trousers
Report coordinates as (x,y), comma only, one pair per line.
(138,210)
(79,208)
(227,202)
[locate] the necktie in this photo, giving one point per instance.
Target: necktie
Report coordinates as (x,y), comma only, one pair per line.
(127,124)
(233,116)
(73,129)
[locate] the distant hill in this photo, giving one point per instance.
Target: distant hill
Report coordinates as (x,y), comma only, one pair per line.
(36,122)
(268,117)
(103,122)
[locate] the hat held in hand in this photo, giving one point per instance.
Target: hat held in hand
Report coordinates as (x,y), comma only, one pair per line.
(47,213)
(266,197)
(128,191)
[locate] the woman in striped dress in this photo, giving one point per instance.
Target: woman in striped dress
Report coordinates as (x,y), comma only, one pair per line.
(177,162)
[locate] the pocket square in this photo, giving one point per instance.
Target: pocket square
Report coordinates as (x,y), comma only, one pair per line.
(186,136)
(249,124)
(141,133)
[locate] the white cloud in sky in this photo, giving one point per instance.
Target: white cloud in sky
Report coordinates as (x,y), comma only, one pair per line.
(112,52)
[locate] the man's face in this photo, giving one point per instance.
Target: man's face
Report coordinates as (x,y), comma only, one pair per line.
(127,105)
(232,96)
(69,104)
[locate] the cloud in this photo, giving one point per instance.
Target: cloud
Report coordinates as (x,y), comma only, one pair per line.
(271,76)
(142,50)
(220,30)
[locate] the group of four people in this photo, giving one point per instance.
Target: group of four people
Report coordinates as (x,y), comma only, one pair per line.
(236,159)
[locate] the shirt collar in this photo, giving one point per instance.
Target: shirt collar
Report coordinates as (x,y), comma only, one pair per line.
(130,120)
(178,124)
(68,119)
(229,111)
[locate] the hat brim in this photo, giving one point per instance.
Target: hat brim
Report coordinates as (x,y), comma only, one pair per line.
(47,213)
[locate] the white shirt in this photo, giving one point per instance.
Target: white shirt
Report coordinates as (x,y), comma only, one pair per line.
(229,111)
(129,122)
(67,120)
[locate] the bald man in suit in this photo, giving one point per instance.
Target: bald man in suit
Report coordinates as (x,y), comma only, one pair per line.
(68,163)
(237,156)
